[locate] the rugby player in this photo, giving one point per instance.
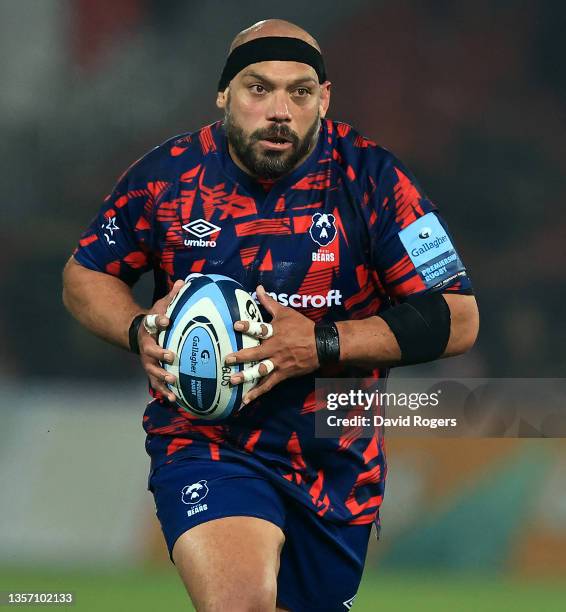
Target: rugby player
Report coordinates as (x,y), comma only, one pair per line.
(355,271)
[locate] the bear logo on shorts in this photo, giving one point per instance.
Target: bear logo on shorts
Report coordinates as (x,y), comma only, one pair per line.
(194,493)
(322,229)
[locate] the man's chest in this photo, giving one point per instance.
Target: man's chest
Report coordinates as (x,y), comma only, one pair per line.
(308,245)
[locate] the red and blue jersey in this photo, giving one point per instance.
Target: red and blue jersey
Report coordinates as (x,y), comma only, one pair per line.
(345,235)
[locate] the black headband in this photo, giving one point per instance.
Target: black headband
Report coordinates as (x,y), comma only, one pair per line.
(269,48)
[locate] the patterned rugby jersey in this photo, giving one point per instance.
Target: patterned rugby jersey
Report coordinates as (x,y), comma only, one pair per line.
(345,235)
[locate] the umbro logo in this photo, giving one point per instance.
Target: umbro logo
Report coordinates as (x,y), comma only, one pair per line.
(200,228)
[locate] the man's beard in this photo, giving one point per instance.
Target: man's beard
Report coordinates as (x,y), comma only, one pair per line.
(269,164)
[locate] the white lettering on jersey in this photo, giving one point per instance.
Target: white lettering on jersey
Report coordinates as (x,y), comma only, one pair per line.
(295,300)
(316,256)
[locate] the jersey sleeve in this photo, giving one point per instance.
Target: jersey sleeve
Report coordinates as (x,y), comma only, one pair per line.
(412,249)
(118,239)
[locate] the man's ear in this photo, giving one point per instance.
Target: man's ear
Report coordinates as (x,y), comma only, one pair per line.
(324,98)
(221,98)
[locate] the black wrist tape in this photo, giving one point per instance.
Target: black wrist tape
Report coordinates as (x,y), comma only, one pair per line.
(133,333)
(327,343)
(421,326)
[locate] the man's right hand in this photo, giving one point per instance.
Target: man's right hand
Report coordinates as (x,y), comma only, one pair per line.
(151,353)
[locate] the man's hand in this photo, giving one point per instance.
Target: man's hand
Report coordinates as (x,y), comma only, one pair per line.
(150,351)
(291,349)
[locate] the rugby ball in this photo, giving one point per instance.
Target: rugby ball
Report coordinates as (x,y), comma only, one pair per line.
(200,335)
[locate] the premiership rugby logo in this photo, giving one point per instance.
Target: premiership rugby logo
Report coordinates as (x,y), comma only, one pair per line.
(323,228)
(200,228)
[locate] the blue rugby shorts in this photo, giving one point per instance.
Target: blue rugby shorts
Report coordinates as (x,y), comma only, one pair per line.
(321,562)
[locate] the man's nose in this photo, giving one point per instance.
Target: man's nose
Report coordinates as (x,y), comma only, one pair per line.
(279,108)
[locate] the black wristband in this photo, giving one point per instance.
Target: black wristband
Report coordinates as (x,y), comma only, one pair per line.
(133,333)
(327,343)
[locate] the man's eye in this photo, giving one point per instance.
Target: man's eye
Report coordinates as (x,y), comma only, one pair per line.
(259,89)
(302,92)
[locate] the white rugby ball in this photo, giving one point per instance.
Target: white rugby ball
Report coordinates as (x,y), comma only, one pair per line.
(200,334)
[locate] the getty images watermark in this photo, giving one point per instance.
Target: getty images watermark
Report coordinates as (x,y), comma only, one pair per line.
(374,403)
(472,407)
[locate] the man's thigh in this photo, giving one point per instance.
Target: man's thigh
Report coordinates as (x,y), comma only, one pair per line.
(223,526)
(230,564)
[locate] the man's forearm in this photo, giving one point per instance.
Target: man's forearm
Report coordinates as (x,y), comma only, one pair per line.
(368,343)
(371,343)
(101,302)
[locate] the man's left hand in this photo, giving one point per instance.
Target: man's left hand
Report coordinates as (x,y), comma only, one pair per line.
(291,348)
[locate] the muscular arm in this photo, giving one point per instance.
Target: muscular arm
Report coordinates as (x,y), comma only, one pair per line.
(105,306)
(101,302)
(370,342)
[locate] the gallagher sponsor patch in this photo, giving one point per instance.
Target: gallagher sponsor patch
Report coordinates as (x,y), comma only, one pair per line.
(431,250)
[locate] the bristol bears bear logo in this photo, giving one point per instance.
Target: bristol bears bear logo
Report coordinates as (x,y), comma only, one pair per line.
(194,493)
(323,230)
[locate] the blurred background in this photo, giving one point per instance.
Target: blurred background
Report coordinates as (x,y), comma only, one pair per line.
(470,95)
